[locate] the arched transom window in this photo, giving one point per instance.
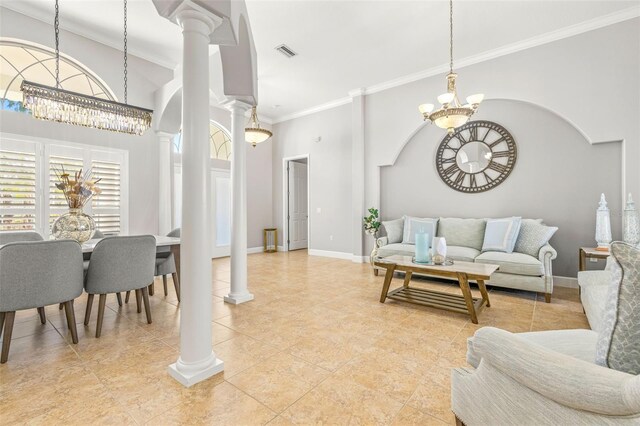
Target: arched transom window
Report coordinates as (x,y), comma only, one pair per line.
(21,60)
(219,142)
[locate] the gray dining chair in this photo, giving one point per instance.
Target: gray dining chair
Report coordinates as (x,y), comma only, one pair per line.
(97,234)
(15,236)
(34,274)
(166,264)
(120,264)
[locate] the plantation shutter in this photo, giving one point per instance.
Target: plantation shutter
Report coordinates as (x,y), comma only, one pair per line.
(18,186)
(106,207)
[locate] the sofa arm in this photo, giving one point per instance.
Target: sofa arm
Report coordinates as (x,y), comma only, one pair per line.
(547,253)
(382,241)
(561,378)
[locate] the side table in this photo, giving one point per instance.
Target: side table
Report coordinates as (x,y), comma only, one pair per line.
(591,253)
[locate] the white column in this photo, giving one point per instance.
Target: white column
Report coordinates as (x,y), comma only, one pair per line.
(197,360)
(164,182)
(239,292)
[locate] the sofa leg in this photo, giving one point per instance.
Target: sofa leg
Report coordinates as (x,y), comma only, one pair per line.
(459,422)
(547,297)
(375,271)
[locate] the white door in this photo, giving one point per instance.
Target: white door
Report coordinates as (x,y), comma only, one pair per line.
(221,211)
(298,214)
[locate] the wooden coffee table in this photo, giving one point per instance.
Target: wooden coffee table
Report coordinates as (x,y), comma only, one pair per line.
(461,271)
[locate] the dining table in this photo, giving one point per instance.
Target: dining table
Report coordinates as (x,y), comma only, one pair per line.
(163,243)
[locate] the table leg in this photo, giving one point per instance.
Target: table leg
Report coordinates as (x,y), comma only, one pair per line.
(468,299)
(175,249)
(583,260)
(387,282)
(483,291)
(407,278)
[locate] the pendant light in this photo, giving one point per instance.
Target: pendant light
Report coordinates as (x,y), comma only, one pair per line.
(452,113)
(56,104)
(253,133)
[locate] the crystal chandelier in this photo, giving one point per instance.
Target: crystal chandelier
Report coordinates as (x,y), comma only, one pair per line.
(452,113)
(56,104)
(253,133)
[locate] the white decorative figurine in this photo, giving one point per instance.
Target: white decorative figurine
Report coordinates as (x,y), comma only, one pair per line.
(439,247)
(603,225)
(630,223)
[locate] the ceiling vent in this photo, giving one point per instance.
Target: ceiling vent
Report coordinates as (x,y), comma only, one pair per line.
(286,51)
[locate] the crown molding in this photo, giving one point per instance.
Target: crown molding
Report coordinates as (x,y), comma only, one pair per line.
(549,37)
(322,107)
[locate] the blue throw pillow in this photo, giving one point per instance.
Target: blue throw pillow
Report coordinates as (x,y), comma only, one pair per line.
(414,225)
(501,234)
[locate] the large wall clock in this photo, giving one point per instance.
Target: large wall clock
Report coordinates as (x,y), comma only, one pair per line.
(477,157)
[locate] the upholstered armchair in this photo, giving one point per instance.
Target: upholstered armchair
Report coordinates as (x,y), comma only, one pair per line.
(541,378)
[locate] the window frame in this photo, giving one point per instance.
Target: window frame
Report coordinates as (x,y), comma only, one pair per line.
(44,148)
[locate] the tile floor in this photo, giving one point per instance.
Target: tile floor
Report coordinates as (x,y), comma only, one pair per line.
(314,347)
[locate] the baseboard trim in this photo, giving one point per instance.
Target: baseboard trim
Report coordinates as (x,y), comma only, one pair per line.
(360,259)
(569,282)
(252,250)
(332,254)
(280,248)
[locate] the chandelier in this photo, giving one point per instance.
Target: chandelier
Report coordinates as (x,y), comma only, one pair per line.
(253,133)
(56,104)
(452,113)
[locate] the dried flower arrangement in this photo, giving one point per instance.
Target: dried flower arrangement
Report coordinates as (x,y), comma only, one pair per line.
(77,189)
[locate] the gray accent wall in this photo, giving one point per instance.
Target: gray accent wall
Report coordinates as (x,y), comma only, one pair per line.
(329,174)
(558,177)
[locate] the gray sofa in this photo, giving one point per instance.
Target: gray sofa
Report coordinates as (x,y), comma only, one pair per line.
(464,243)
(546,377)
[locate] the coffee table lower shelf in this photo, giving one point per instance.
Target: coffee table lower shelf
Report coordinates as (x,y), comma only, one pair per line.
(434,299)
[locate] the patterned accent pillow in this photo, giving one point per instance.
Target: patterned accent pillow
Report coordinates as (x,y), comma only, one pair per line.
(393,228)
(533,236)
(413,225)
(501,234)
(618,344)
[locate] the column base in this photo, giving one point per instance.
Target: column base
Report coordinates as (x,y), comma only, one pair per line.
(188,375)
(236,299)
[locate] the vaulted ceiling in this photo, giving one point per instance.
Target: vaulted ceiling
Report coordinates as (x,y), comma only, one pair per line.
(342,45)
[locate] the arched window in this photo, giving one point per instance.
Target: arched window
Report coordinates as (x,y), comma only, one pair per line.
(21,60)
(219,142)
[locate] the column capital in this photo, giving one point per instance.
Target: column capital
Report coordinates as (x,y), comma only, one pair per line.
(236,105)
(189,10)
(164,135)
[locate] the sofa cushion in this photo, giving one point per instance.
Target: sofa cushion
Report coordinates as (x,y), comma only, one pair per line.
(594,287)
(397,248)
(414,225)
(532,237)
(394,228)
(619,339)
(501,234)
(513,263)
(462,232)
(464,254)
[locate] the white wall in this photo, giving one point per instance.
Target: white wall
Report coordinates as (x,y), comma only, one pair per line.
(591,80)
(144,78)
(329,174)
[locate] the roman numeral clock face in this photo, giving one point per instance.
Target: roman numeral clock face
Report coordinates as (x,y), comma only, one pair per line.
(477,157)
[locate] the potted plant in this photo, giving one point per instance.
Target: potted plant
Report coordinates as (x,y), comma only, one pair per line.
(371,226)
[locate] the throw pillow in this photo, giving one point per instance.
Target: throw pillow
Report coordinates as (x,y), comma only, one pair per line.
(501,234)
(413,225)
(462,232)
(533,236)
(618,344)
(393,228)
